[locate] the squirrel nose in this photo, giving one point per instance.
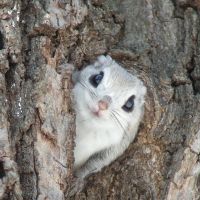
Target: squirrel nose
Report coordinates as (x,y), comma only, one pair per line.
(104,102)
(103,105)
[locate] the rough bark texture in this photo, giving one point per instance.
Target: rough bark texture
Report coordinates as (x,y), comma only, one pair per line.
(157,39)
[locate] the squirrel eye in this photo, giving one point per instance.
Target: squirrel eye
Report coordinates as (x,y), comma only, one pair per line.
(96,79)
(129,105)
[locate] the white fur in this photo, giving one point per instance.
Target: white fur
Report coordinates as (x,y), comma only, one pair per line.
(104,134)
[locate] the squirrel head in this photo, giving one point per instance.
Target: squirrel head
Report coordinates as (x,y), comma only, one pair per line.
(107,93)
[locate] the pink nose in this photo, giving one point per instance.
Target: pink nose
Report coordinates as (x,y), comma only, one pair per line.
(103,105)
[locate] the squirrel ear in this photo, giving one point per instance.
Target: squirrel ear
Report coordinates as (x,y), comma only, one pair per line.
(101,60)
(143,90)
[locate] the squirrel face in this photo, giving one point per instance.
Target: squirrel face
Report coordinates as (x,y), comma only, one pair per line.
(107,93)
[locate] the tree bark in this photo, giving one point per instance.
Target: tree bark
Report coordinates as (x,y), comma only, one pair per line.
(157,39)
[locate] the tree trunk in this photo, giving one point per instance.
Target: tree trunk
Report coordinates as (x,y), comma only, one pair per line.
(157,39)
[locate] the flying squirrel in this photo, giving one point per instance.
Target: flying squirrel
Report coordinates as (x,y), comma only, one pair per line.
(109,104)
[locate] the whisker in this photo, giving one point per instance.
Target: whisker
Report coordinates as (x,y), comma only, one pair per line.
(91,91)
(118,121)
(117,114)
(123,118)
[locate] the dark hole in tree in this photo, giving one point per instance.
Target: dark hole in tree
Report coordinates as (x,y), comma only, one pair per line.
(2,171)
(1,41)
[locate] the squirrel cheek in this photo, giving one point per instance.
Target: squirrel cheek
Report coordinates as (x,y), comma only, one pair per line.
(93,108)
